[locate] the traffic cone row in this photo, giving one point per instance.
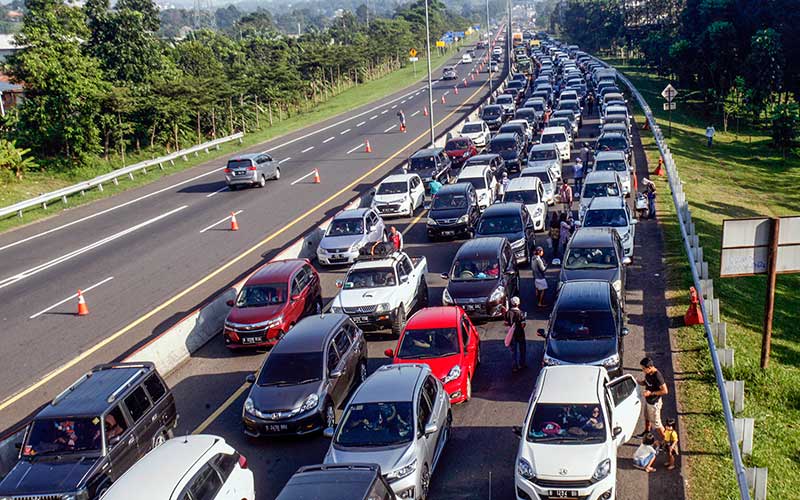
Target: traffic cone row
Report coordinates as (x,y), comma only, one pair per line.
(443,100)
(425,111)
(455,89)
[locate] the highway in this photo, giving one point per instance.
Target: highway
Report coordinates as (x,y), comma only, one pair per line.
(478,463)
(148,256)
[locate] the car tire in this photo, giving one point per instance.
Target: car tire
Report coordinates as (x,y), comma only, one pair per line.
(277,174)
(398,322)
(329,414)
(425,482)
(262,181)
(233,187)
(423,297)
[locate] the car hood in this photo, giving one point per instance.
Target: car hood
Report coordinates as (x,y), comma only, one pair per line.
(425,173)
(274,398)
(588,274)
(492,119)
(562,462)
(456,153)
(390,198)
(45,476)
(581,351)
(341,241)
(440,367)
(365,296)
(250,315)
(447,213)
(471,289)
(388,458)
(511,237)
(550,164)
(509,154)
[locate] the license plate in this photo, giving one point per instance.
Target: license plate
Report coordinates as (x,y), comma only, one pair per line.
(472,307)
(448,233)
(361,319)
(251,340)
(277,428)
(240,173)
(564,493)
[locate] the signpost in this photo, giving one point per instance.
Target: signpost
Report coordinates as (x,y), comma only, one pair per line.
(761,245)
(669,94)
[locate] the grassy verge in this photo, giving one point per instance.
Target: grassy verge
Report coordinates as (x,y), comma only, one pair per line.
(36,183)
(740,176)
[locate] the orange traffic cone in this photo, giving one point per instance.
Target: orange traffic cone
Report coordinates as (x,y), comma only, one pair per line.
(660,168)
(465,82)
(443,100)
(472,76)
(234,224)
(368,149)
(425,111)
(693,315)
(316,176)
(83,309)
(455,89)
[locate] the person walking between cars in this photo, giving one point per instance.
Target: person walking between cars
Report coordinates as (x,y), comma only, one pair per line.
(515,319)
(402,117)
(555,230)
(589,104)
(434,186)
(565,231)
(710,135)
(396,238)
(577,173)
(651,200)
(654,389)
(503,186)
(539,278)
(565,195)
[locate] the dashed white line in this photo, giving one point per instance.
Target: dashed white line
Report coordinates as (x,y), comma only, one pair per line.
(360,123)
(403,101)
(415,113)
(73,296)
(394,106)
(345,131)
(329,139)
(304,177)
(388,129)
(373,117)
(384,111)
(446,93)
(307,149)
(221,221)
(285,159)
(356,148)
(209,195)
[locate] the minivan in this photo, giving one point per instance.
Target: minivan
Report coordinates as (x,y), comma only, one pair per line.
(509,220)
(530,192)
(252,169)
(557,136)
(454,211)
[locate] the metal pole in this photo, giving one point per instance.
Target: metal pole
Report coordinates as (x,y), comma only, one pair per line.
(769,308)
(488,51)
(508,39)
(430,81)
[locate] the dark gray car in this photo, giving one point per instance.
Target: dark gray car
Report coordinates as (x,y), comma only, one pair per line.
(253,169)
(595,253)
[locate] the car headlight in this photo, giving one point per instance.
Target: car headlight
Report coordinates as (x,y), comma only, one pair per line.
(539,211)
(464,218)
(431,222)
(603,470)
(518,243)
(268,324)
(611,361)
(322,251)
(617,284)
(446,298)
(310,403)
(454,373)
(354,247)
(248,405)
(498,294)
(383,307)
(525,469)
(402,472)
(549,361)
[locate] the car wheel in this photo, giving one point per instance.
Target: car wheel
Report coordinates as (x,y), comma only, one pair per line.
(330,416)
(469,389)
(277,174)
(262,181)
(399,321)
(423,294)
(425,482)
(362,372)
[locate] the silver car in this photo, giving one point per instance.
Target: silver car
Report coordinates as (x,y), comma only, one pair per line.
(400,419)
(349,232)
(253,169)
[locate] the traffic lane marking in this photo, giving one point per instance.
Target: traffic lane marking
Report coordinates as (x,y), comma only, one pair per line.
(415,113)
(73,296)
(304,177)
(356,148)
(329,139)
(388,129)
(307,149)
(345,131)
(221,221)
(285,159)
(360,123)
(80,251)
(209,195)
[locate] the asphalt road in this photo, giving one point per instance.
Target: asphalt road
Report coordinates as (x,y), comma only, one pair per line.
(478,463)
(150,255)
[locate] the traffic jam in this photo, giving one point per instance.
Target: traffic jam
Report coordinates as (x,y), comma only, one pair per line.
(505,199)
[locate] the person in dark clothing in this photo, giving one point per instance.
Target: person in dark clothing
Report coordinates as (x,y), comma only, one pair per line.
(654,388)
(589,104)
(555,232)
(651,200)
(539,278)
(516,318)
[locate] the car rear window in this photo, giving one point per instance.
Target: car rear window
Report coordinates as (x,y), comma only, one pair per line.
(291,368)
(498,145)
(456,144)
(239,163)
(553,138)
(527,197)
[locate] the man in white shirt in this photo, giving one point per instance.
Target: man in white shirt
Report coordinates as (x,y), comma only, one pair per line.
(710,134)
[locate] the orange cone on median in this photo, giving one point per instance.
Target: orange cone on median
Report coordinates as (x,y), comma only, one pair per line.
(455,89)
(425,111)
(234,223)
(83,309)
(368,149)
(316,176)
(443,100)
(660,168)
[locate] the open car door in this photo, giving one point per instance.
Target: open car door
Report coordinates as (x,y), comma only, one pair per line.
(624,392)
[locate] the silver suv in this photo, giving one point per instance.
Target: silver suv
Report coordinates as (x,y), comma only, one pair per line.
(348,232)
(400,419)
(253,169)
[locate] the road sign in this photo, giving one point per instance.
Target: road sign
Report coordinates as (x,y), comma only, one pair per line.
(669,106)
(413,59)
(440,43)
(412,53)
(669,92)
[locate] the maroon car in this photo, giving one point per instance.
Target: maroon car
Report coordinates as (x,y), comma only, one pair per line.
(460,149)
(269,304)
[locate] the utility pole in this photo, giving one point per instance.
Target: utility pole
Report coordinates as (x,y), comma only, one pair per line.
(508,39)
(430,81)
(491,82)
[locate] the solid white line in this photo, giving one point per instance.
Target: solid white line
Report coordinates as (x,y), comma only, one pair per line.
(355,148)
(345,131)
(373,117)
(88,217)
(74,295)
(384,111)
(47,265)
(304,177)
(329,139)
(307,149)
(209,195)
(360,123)
(285,159)
(415,113)
(388,129)
(221,221)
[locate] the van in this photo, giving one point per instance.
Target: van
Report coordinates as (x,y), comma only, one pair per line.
(530,192)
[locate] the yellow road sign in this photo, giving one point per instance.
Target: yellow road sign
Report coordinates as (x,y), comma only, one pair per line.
(412,53)
(440,43)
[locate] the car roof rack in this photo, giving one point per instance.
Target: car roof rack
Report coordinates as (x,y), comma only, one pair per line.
(370,255)
(71,388)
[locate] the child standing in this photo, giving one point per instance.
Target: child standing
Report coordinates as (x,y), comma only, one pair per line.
(645,454)
(670,443)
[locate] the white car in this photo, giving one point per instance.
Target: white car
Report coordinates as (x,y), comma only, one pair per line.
(189,464)
(612,212)
(483,180)
(497,51)
(478,131)
(614,161)
(549,182)
(466,59)
(599,185)
(559,137)
(546,155)
(400,194)
(530,192)
(576,420)
(525,125)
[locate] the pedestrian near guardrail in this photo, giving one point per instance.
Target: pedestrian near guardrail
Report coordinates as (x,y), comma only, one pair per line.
(655,387)
(710,132)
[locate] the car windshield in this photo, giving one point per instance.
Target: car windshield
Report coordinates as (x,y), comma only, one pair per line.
(569,105)
(370,278)
(471,128)
(553,138)
(611,143)
(543,154)
(567,423)
(582,325)
(429,343)
(501,224)
(392,188)
(527,197)
(560,122)
(421,163)
(491,112)
(605,218)
(475,269)
(262,295)
(542,176)
(63,436)
(477,182)
(616,165)
(498,145)
(238,163)
(444,201)
(565,114)
(457,144)
(346,227)
(376,425)
(599,190)
(622,112)
(591,258)
(291,369)
(538,106)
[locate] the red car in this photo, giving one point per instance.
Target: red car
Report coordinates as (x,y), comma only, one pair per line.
(459,150)
(270,303)
(445,339)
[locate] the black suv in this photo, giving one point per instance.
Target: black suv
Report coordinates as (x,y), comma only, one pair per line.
(511,147)
(337,482)
(493,116)
(93,432)
(483,277)
(495,162)
(306,376)
(429,164)
(586,327)
(511,221)
(595,253)
(454,211)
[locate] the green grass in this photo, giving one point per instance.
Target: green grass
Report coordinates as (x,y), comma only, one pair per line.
(739,177)
(36,183)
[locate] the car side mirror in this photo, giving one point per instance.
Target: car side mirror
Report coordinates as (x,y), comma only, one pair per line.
(230,302)
(388,353)
(431,428)
(624,332)
(540,332)
(626,261)
(250,379)
(444,276)
(616,432)
(339,283)
(336,373)
(634,222)
(295,298)
(517,430)
(328,432)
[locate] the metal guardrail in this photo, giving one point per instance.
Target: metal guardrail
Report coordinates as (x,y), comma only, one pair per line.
(682,212)
(62,194)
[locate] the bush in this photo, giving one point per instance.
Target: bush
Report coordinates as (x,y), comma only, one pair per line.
(785,121)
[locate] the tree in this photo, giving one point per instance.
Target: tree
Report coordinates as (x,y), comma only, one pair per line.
(765,65)
(785,126)
(735,103)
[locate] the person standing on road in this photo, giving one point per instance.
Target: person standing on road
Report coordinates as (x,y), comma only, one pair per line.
(402,117)
(504,183)
(651,200)
(516,318)
(434,186)
(539,278)
(654,389)
(555,230)
(396,237)
(577,173)
(710,135)
(670,444)
(590,104)
(565,231)
(565,195)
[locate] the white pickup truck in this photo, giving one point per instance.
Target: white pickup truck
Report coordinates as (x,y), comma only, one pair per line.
(379,292)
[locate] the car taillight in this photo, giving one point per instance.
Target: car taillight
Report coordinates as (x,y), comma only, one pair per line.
(251,168)
(242,461)
(227,170)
